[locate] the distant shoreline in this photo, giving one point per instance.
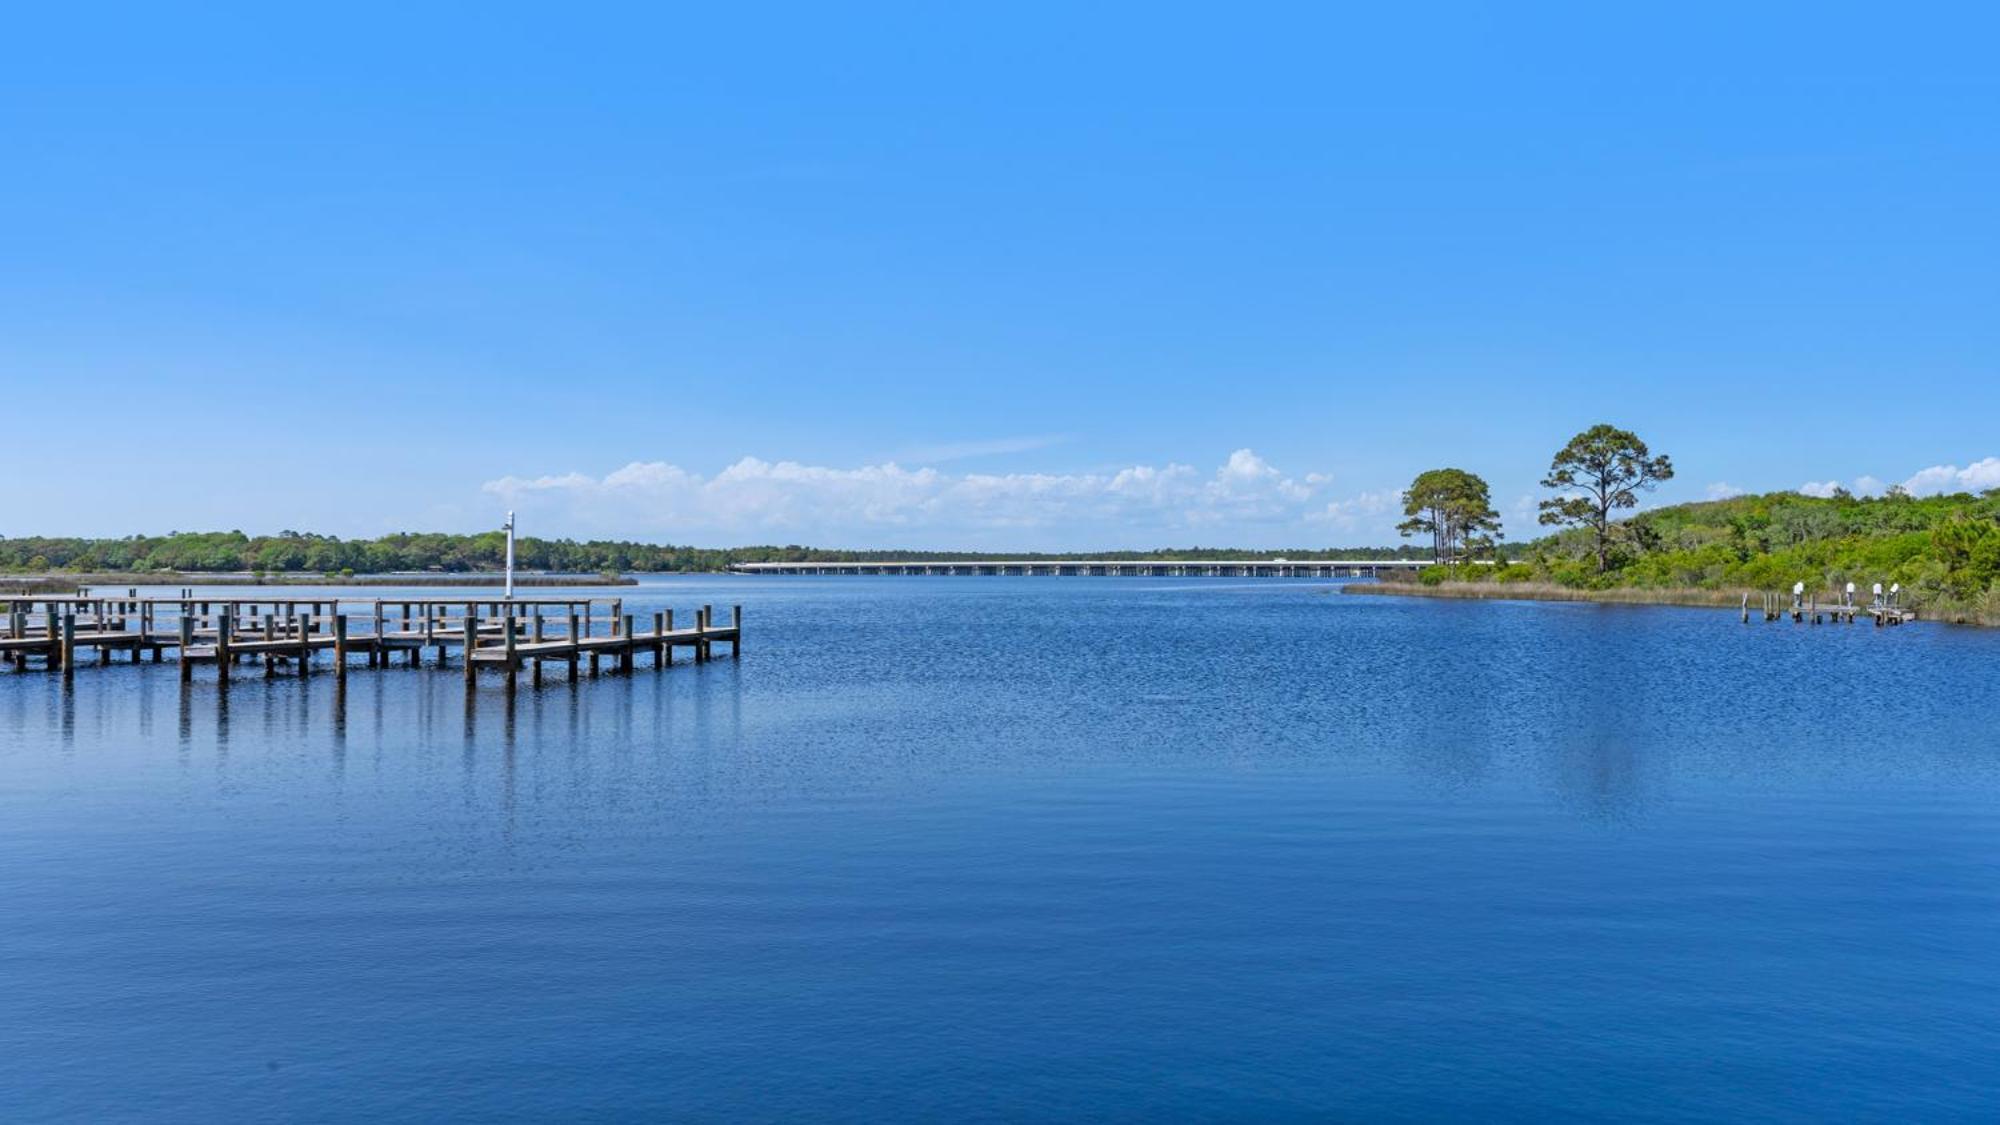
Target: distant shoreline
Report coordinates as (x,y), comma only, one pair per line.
(46,583)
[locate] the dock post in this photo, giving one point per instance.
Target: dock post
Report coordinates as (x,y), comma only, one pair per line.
(736,623)
(507,633)
(625,650)
(471,641)
(667,649)
(340,646)
(535,637)
(305,644)
(1746,607)
(187,638)
(701,635)
(222,657)
(660,633)
(69,643)
(573,639)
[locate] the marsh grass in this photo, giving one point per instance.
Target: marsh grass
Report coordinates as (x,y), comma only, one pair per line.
(1982,611)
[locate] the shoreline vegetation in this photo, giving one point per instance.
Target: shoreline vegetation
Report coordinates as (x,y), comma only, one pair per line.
(458,558)
(1689,596)
(1943,552)
(1938,556)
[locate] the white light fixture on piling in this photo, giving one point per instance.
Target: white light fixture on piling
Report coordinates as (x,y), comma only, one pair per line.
(510,556)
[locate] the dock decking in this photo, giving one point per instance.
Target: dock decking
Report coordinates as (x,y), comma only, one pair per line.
(502,635)
(1809,610)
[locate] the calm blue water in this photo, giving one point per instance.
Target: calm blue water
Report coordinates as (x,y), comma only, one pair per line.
(1027,848)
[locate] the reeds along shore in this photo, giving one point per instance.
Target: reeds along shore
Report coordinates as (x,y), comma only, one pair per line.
(1551,592)
(1642,595)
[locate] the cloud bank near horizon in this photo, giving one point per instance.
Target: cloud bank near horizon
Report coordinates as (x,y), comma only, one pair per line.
(1976,477)
(1244,501)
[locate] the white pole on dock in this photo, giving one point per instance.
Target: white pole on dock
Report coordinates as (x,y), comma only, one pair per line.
(510,556)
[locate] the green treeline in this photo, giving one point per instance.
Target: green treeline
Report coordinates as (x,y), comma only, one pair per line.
(1944,551)
(294,552)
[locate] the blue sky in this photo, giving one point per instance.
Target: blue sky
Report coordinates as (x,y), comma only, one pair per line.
(1037,276)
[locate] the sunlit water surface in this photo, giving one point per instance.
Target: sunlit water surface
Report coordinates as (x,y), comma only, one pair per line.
(1019,848)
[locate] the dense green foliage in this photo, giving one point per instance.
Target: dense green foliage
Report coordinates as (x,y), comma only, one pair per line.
(1454,508)
(1602,470)
(299,552)
(1944,550)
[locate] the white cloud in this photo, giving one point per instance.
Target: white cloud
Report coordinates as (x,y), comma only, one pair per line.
(1976,477)
(1352,512)
(1722,490)
(1245,500)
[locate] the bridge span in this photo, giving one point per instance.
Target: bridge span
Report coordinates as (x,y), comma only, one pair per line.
(1104,568)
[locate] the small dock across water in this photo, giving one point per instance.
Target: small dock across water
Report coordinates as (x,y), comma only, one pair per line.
(1808,610)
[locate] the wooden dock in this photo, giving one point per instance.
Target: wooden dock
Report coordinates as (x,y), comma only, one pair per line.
(508,636)
(1808,610)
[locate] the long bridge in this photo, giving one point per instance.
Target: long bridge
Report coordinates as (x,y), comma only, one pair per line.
(1104,568)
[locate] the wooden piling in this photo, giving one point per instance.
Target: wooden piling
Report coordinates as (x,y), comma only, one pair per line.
(573,639)
(471,642)
(513,663)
